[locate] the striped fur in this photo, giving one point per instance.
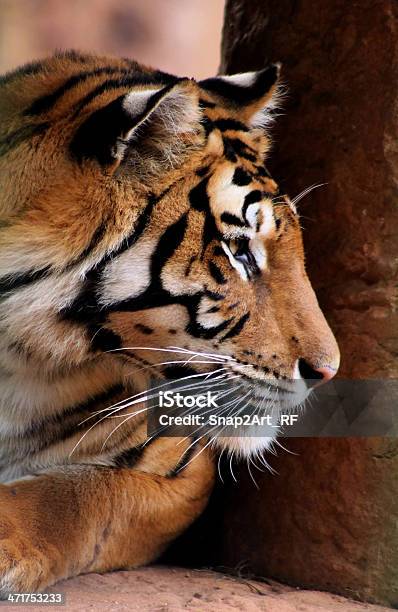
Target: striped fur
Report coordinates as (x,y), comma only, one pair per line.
(135,211)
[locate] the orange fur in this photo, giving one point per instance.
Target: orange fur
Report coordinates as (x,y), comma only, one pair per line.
(123,243)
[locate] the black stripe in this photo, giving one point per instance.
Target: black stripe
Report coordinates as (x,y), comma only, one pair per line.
(239,94)
(199,200)
(262,171)
(230,124)
(168,243)
(206,103)
(229,151)
(207,124)
(218,251)
(45,103)
(198,331)
(252,198)
(97,136)
(34,68)
(60,427)
(241,177)
(216,273)
(128,458)
(17,281)
(231,219)
(155,78)
(177,372)
(87,310)
(198,197)
(144,329)
(189,266)
(240,148)
(24,71)
(210,232)
(202,171)
(237,328)
(213,295)
(182,464)
(96,238)
(21,135)
(86,303)
(104,339)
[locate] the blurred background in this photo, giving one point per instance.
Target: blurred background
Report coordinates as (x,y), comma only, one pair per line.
(178,36)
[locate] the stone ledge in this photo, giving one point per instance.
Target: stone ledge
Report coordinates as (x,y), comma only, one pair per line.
(161,589)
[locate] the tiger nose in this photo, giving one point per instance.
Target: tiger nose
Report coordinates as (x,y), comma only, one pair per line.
(315,376)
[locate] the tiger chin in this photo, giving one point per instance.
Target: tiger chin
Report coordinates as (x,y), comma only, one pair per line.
(141,237)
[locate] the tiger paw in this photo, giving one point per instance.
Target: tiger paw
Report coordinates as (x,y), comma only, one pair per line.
(23,568)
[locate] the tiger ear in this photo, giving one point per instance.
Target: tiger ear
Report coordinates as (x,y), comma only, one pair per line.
(253,94)
(109,131)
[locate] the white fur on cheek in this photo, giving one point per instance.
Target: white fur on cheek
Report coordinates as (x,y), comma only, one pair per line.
(252,212)
(129,274)
(259,252)
(257,245)
(267,222)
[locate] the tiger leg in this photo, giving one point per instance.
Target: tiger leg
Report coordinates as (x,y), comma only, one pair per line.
(82,519)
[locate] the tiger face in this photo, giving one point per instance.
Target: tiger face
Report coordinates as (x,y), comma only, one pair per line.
(139,224)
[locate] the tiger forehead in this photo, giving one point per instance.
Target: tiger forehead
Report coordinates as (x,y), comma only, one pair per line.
(240,193)
(238,140)
(228,137)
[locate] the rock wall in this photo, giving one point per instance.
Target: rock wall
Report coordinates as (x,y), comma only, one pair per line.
(329,518)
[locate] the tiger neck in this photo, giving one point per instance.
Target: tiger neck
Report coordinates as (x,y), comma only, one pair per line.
(28,395)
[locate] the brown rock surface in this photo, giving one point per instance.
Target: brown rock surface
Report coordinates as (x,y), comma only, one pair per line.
(156,589)
(329,519)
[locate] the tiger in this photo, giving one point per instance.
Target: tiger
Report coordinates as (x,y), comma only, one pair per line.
(141,237)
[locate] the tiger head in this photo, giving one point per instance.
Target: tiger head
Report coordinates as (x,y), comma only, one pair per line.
(139,223)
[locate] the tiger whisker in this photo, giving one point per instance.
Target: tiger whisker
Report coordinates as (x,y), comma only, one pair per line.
(128,418)
(163,363)
(251,475)
(219,465)
(170,350)
(169,382)
(305,192)
(218,356)
(161,429)
(230,465)
(135,400)
(131,415)
(224,407)
(265,463)
(234,403)
(92,427)
(254,464)
(189,388)
(197,455)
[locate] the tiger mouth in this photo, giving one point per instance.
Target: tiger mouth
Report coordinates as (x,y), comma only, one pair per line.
(266,396)
(276,390)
